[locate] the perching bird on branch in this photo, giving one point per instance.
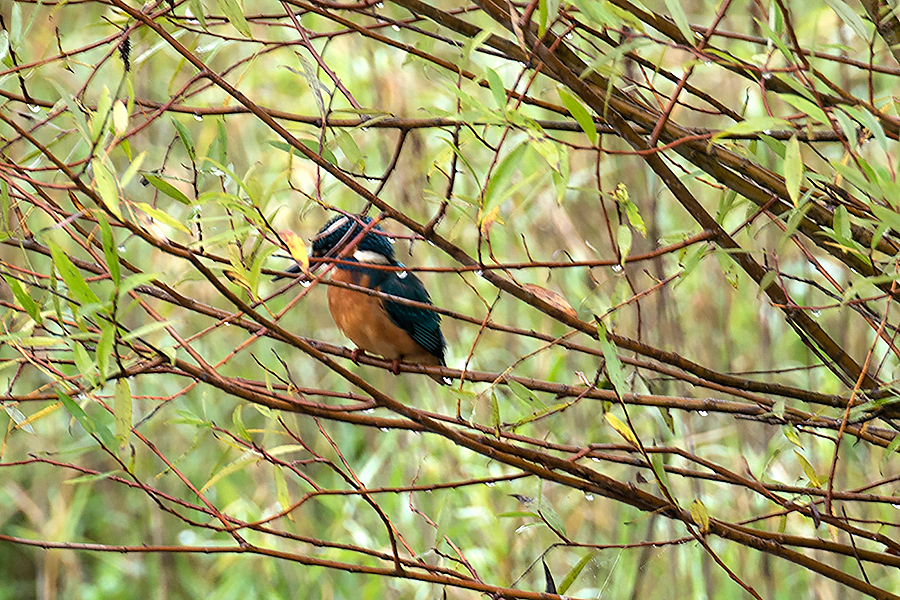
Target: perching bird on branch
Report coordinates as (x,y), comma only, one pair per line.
(376,325)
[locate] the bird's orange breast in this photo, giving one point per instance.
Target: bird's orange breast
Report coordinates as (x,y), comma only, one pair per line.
(363,319)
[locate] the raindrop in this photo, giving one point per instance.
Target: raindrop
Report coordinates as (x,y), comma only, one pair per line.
(217,172)
(121,248)
(897,506)
(588,496)
(815,312)
(617,268)
(198,117)
(767,131)
(595,459)
(379,5)
(703,413)
(306,283)
(384,429)
(569,36)
(401,275)
(430,243)
(395,27)
(34,108)
(479,273)
(490,483)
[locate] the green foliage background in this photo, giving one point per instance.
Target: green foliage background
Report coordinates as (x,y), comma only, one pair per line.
(238,183)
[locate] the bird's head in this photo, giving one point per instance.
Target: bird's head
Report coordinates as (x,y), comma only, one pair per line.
(342,230)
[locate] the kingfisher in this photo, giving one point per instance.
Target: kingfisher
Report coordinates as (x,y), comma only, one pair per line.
(397,332)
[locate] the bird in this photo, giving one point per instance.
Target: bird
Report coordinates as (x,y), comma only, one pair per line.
(394,331)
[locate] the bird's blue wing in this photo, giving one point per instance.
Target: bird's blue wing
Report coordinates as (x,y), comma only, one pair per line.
(423,326)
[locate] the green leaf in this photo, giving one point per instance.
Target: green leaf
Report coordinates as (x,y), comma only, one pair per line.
(496,86)
(871,123)
(767,280)
(281,490)
(83,362)
(667,418)
(580,114)
(313,145)
(790,432)
(166,188)
(18,417)
(659,470)
(185,137)
(499,182)
(4,206)
(793,170)
(621,428)
(238,420)
(30,306)
(133,281)
(78,287)
(681,20)
(729,269)
(105,347)
(106,187)
(162,217)
(556,407)
(808,470)
(548,151)
(145,330)
(350,149)
(74,108)
(221,142)
(848,127)
(753,125)
(634,217)
(810,109)
(15,27)
(700,516)
(198,11)
(244,461)
(495,410)
(849,17)
(110,251)
(98,119)
(91,478)
(88,424)
(235,16)
(891,448)
(123,412)
(574,572)
(841,223)
(623,241)
(522,392)
(132,170)
(549,514)
(613,364)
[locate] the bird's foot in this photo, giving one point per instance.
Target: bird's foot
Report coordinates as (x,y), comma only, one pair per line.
(395,366)
(357,352)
